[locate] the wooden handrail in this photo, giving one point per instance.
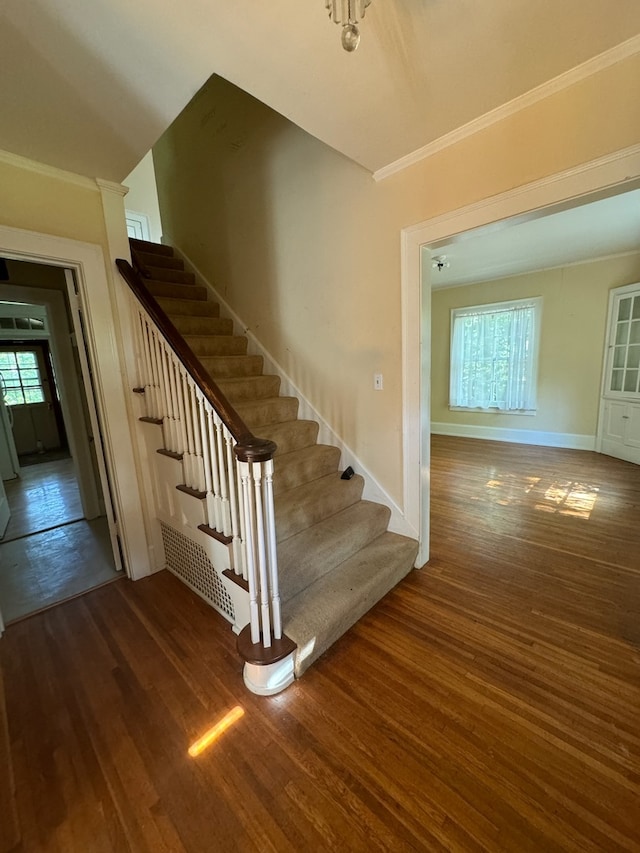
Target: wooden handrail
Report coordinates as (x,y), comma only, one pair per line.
(248,447)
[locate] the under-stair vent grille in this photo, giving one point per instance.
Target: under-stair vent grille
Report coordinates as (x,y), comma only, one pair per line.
(189,561)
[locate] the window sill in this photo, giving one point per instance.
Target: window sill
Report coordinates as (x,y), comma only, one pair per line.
(495,411)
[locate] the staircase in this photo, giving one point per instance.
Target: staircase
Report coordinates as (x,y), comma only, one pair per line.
(336,557)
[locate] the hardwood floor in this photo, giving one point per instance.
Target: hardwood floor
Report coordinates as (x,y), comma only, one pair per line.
(490,702)
(44,496)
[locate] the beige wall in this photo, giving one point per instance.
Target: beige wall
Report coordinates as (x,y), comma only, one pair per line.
(574,313)
(50,204)
(305,246)
(143,195)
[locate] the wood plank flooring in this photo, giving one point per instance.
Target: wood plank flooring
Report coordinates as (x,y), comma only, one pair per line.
(490,702)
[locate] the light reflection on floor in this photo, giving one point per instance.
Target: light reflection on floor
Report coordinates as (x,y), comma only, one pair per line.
(566,497)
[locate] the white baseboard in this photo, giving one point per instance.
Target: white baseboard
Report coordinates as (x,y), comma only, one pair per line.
(517,436)
(373,491)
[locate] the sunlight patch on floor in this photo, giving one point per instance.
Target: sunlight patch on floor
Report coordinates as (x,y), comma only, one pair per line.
(565,497)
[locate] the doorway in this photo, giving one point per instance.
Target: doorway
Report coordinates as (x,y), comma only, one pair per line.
(598,179)
(56,544)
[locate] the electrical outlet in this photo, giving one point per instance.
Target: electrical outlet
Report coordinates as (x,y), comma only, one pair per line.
(377,381)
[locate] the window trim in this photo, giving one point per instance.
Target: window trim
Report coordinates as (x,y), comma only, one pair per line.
(534,302)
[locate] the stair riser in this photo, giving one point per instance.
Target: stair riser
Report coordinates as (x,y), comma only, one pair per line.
(174,275)
(149,259)
(203,325)
(315,463)
(265,412)
(188,307)
(292,435)
(217,345)
(250,388)
(304,558)
(232,366)
(151,248)
(176,291)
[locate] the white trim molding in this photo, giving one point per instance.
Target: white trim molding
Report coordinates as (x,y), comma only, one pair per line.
(48,171)
(612,173)
(373,491)
(563,81)
(517,436)
(87,261)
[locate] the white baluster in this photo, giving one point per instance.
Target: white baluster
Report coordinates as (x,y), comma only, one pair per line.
(265,612)
(238,557)
(224,492)
(206,458)
(178,446)
(184,425)
(157,358)
(249,517)
(212,427)
(194,417)
(149,389)
(137,332)
(154,372)
(243,531)
(272,549)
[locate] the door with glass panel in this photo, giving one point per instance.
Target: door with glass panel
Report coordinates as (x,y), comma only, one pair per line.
(620,408)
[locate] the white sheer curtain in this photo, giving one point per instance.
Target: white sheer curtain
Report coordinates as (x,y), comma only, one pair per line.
(494,356)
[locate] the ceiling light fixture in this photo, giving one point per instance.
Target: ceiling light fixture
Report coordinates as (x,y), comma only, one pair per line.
(440,262)
(348,13)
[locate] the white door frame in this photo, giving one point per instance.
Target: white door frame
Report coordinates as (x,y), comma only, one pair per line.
(88,264)
(605,176)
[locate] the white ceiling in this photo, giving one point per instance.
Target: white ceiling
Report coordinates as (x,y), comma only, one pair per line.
(610,226)
(90,86)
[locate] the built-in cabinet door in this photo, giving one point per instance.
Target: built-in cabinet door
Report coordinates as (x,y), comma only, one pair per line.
(620,405)
(614,420)
(632,421)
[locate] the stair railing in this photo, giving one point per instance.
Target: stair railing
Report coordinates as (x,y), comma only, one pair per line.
(223,461)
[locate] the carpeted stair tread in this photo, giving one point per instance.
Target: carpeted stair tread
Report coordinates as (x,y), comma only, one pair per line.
(271,410)
(250,387)
(187,307)
(204,345)
(228,366)
(176,291)
(189,325)
(177,276)
(302,506)
(301,466)
(152,248)
(153,259)
(325,610)
(291,435)
(313,552)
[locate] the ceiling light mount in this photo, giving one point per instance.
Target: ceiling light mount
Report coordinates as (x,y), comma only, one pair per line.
(440,262)
(348,13)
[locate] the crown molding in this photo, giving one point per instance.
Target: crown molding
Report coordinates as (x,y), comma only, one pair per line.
(49,171)
(581,72)
(112,187)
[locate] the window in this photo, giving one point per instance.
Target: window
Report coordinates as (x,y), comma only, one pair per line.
(21,378)
(494,356)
